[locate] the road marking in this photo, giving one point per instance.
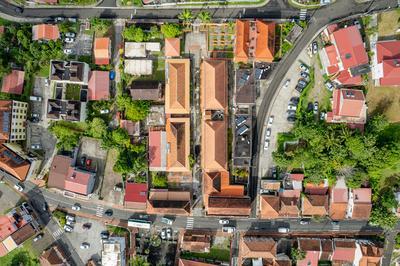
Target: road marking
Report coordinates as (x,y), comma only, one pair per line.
(189,223)
(336,227)
(57,233)
(303,14)
(99,211)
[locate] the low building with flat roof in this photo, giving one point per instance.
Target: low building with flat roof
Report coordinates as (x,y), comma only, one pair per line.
(135,196)
(113,253)
(13,120)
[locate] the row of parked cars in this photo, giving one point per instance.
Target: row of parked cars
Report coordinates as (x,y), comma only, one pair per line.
(268,132)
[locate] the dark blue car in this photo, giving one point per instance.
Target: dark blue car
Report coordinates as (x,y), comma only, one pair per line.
(112,75)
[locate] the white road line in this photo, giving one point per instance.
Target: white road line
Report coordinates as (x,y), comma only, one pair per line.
(99,211)
(189,223)
(57,233)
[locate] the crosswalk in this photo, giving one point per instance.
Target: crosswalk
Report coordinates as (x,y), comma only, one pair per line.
(336,227)
(99,211)
(303,14)
(189,223)
(56,234)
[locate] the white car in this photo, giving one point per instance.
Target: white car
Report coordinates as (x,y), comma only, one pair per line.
(283,230)
(67,51)
(304,68)
(69,40)
(70,218)
(70,34)
(169,233)
(357,23)
(270,120)
(68,228)
(46,82)
(287,82)
(70,223)
(76,207)
(329,85)
(85,245)
(163,235)
(105,111)
(223,221)
(268,133)
(18,187)
(228,229)
(266,144)
(292,107)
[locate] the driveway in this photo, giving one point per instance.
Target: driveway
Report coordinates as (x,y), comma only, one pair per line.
(107,191)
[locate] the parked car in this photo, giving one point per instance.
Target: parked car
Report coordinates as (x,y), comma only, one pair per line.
(223,221)
(283,230)
(295,100)
(117,188)
(86,226)
(291,107)
(228,229)
(76,207)
(104,235)
(302,83)
(316,105)
(59,19)
(19,10)
(334,222)
(304,221)
(67,51)
(357,23)
(69,217)
(268,133)
(322,116)
(70,223)
(70,35)
(68,228)
(104,111)
(85,245)
(329,85)
(166,220)
(35,146)
(266,144)
(46,82)
(35,98)
(270,120)
(112,75)
(304,75)
(314,47)
(83,160)
(72,19)
(291,112)
(108,212)
(38,237)
(88,162)
(163,234)
(291,119)
(169,233)
(69,40)
(298,88)
(18,187)
(304,67)
(287,82)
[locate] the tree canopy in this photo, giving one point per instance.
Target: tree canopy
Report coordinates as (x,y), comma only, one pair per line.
(134,110)
(170,30)
(134,34)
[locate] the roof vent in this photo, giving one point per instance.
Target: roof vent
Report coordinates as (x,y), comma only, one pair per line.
(348,56)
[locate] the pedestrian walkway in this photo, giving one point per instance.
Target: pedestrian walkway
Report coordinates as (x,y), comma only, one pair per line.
(303,14)
(189,223)
(56,234)
(99,211)
(336,227)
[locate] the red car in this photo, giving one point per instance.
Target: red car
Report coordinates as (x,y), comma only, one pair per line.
(88,162)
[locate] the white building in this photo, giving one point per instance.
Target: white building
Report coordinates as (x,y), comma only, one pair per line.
(113,253)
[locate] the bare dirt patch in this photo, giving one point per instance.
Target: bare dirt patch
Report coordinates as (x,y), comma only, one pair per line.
(384,100)
(388,24)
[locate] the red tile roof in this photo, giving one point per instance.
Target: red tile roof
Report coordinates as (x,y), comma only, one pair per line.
(350,47)
(388,54)
(155,152)
(265,46)
(99,86)
(7,226)
(13,164)
(101,50)
(13,83)
(344,251)
(345,78)
(58,171)
(333,59)
(242,40)
(311,259)
(45,32)
(348,102)
(172,47)
(135,192)
(78,181)
(183,262)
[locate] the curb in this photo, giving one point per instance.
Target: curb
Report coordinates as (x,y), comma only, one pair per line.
(193,6)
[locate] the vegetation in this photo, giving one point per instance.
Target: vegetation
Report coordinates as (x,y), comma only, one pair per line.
(134,34)
(73,92)
(60,216)
(214,254)
(100,26)
(94,109)
(159,180)
(139,261)
(397,241)
(297,254)
(131,160)
(117,231)
(134,110)
(77,2)
(67,133)
(68,26)
(330,150)
(20,256)
(186,16)
(240,172)
(171,30)
(204,16)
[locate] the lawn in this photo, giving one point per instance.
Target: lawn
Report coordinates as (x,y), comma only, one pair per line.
(214,254)
(20,256)
(73,92)
(384,100)
(388,23)
(158,72)
(44,71)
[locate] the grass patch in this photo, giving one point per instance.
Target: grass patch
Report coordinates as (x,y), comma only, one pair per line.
(311,5)
(20,256)
(73,92)
(159,180)
(384,100)
(158,72)
(60,216)
(44,71)
(76,2)
(284,137)
(117,231)
(215,254)
(388,23)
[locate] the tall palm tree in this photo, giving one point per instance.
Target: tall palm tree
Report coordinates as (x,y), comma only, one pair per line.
(186,16)
(204,16)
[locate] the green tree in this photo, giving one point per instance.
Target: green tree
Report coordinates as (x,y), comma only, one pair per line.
(67,26)
(159,180)
(154,33)
(383,217)
(134,110)
(170,30)
(186,16)
(100,26)
(357,179)
(67,138)
(139,261)
(120,137)
(297,254)
(98,128)
(204,16)
(134,34)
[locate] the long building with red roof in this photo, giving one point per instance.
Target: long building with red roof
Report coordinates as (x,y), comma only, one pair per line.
(386,72)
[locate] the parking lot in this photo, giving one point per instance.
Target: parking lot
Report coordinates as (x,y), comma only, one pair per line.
(9,198)
(279,112)
(91,236)
(107,191)
(82,44)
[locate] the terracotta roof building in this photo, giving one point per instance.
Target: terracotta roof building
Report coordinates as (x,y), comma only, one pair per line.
(66,177)
(45,32)
(183,262)
(255,41)
(317,189)
(13,120)
(360,205)
(214,85)
(135,196)
(273,206)
(13,83)
(101,51)
(229,206)
(196,242)
(99,86)
(172,47)
(371,255)
(157,150)
(148,90)
(177,87)
(257,247)
(169,202)
(312,247)
(344,251)
(214,146)
(348,106)
(13,164)
(386,72)
(346,59)
(314,205)
(178,143)
(54,256)
(339,200)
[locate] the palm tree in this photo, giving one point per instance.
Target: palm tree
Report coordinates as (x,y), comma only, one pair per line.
(204,16)
(186,16)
